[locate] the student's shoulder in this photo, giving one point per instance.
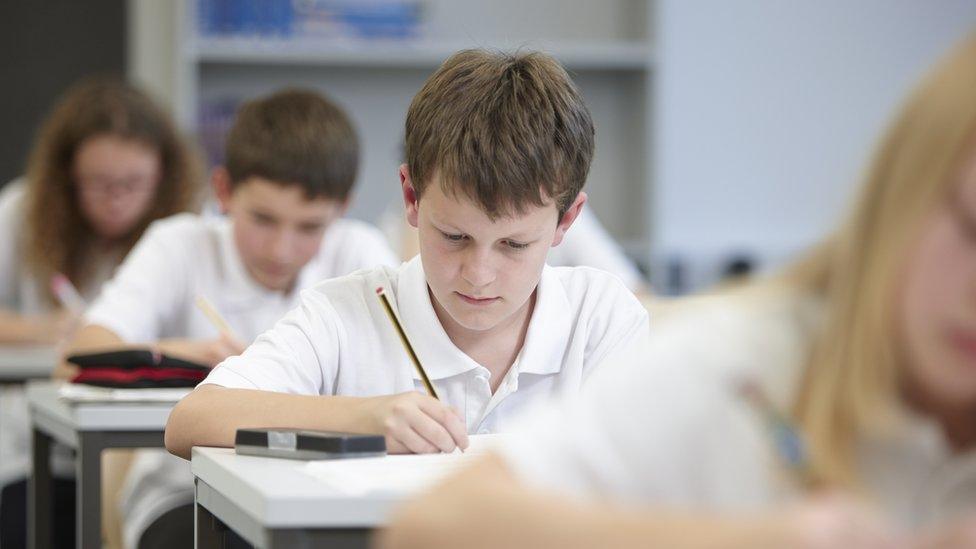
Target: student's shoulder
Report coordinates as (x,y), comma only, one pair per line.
(596,291)
(353,289)
(350,244)
(354,230)
(12,198)
(737,315)
(758,334)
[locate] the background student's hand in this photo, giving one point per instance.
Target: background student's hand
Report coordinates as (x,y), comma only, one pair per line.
(958,533)
(416,423)
(833,520)
(50,328)
(59,326)
(210,352)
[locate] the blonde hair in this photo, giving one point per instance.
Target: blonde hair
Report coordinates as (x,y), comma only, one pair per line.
(852,377)
(56,237)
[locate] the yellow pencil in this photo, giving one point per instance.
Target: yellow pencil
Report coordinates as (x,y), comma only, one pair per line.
(214,317)
(406,342)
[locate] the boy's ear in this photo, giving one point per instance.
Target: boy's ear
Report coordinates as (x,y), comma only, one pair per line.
(410,202)
(569,217)
(220,181)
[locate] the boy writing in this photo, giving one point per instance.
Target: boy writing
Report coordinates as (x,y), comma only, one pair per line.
(498,147)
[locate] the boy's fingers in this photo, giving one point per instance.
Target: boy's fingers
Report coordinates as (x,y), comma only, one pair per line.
(459,432)
(413,441)
(449,420)
(432,430)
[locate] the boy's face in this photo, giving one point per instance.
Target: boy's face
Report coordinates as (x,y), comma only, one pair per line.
(277,230)
(481,273)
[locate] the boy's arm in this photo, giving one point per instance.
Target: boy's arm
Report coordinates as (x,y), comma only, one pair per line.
(411,422)
(209,352)
(485,506)
(94,338)
(150,287)
(279,382)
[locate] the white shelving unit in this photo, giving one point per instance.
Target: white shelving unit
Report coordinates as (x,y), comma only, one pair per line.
(607,46)
(412,55)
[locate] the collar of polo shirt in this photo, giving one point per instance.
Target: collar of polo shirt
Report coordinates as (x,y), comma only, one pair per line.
(547,335)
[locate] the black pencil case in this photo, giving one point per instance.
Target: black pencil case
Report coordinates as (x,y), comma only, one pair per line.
(136,369)
(307,444)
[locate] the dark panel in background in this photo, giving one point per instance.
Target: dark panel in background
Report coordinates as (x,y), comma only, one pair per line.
(45,46)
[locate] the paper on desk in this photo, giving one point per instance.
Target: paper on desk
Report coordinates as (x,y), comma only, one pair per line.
(79,392)
(397,474)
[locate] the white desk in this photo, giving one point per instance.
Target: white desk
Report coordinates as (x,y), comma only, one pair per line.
(274,503)
(89,428)
(21,363)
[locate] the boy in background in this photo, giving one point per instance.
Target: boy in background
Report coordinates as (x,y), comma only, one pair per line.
(291,162)
(498,148)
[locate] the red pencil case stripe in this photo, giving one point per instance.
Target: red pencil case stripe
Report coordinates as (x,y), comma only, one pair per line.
(118,375)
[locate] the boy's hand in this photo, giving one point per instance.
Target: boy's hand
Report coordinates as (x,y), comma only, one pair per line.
(63,324)
(833,520)
(416,423)
(54,328)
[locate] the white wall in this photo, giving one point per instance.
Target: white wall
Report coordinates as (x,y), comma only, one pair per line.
(151,49)
(768,109)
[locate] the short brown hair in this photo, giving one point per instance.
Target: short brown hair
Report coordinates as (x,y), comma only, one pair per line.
(57,238)
(295,137)
(504,129)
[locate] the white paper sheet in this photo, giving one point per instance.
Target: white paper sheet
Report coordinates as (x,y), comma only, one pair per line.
(397,474)
(79,392)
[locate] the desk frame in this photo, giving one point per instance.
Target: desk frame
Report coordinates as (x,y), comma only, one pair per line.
(137,426)
(214,514)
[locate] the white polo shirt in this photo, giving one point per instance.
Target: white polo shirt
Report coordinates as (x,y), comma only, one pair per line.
(588,243)
(670,429)
(340,342)
(153,297)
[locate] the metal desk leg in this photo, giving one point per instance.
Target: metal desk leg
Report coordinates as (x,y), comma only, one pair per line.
(88,496)
(207,533)
(39,494)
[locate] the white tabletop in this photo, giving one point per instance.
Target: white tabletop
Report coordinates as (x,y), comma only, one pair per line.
(279,493)
(62,418)
(27,362)
(284,493)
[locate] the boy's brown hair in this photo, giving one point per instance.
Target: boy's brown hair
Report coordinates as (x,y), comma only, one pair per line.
(506,130)
(294,137)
